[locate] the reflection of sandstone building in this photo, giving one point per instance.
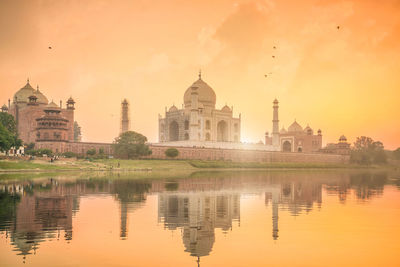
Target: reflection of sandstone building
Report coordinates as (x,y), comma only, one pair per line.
(198,214)
(48,125)
(199,120)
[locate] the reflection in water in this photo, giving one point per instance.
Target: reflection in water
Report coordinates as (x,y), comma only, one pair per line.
(33,211)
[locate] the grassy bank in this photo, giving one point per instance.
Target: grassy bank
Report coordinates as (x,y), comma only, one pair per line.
(163,165)
(264,165)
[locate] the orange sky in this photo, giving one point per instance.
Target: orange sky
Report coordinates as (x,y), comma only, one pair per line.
(343,81)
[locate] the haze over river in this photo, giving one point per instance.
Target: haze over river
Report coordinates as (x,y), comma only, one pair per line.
(274,218)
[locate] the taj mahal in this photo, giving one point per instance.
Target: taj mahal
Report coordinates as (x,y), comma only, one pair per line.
(200,124)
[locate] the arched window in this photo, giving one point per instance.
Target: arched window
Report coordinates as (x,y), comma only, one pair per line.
(186,136)
(236,127)
(208,125)
(186,125)
(208,137)
(173,131)
(222,131)
(286,146)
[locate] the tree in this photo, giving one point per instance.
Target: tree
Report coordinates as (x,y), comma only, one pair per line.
(367,151)
(91,152)
(131,145)
(6,139)
(396,153)
(171,152)
(77,132)
(8,132)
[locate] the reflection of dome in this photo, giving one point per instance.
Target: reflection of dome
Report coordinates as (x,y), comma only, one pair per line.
(173,108)
(206,94)
(295,127)
(199,240)
(226,109)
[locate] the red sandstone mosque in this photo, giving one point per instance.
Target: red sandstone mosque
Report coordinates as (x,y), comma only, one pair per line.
(48,125)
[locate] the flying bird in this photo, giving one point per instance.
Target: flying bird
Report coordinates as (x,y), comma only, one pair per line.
(50,47)
(338,27)
(273,56)
(274,47)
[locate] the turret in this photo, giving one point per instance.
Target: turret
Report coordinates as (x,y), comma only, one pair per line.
(32,100)
(4,108)
(275,124)
(70,104)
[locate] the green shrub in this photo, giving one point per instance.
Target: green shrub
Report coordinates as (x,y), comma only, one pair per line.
(91,152)
(171,152)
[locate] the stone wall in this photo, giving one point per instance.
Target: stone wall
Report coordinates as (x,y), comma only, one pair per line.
(79,148)
(237,155)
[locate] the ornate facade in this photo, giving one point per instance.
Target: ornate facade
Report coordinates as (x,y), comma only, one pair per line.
(37,120)
(199,120)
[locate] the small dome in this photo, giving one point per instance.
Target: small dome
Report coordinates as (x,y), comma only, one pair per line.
(342,138)
(4,107)
(283,130)
(41,98)
(70,100)
(295,127)
(308,130)
(173,109)
(206,94)
(275,101)
(226,109)
(52,105)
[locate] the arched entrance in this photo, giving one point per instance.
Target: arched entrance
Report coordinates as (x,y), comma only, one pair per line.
(222,131)
(286,146)
(173,131)
(299,149)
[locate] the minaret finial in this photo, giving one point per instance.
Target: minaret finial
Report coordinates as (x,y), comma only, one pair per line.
(200,74)
(27,80)
(37,87)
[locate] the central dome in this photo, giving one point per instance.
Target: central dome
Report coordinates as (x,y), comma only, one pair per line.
(25,92)
(206,94)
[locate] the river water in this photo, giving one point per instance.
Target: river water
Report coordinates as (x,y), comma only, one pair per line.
(276,218)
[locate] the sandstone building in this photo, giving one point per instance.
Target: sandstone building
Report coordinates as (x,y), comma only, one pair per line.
(48,125)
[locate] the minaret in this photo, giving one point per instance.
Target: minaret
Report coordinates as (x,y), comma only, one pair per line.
(125,121)
(194,115)
(275,125)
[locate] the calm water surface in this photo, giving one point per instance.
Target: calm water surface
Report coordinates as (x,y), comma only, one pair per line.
(203,219)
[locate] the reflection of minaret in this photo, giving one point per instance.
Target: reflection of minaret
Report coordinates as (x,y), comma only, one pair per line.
(275,209)
(124,220)
(274,196)
(125,121)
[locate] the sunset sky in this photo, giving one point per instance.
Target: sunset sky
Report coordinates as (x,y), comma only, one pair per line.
(343,81)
